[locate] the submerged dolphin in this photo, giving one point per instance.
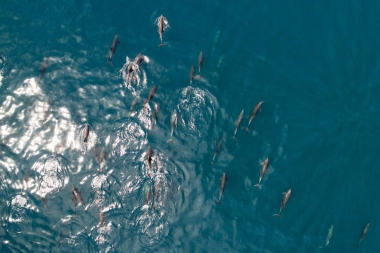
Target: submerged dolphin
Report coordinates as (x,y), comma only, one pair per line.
(173,122)
(364,233)
(112,50)
(223,181)
(262,172)
(155,113)
(329,235)
(285,199)
(237,124)
(191,74)
(200,61)
(218,147)
(253,114)
(151,94)
(43,67)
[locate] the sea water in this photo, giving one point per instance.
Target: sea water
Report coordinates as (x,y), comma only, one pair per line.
(315,64)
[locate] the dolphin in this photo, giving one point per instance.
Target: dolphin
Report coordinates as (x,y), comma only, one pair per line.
(191,74)
(223,181)
(86,133)
(216,41)
(237,124)
(364,233)
(253,114)
(218,147)
(149,153)
(173,121)
(102,159)
(155,113)
(262,171)
(284,201)
(162,24)
(77,195)
(74,200)
(112,50)
(133,106)
(139,59)
(43,67)
(200,61)
(151,94)
(102,217)
(148,196)
(329,235)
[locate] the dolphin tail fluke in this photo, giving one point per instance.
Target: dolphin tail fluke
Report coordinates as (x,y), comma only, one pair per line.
(212,163)
(258,186)
(356,246)
(277,215)
(233,138)
(162,44)
(109,62)
(218,201)
(246,129)
(170,140)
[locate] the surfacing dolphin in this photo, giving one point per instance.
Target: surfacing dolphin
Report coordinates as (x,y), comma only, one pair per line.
(112,50)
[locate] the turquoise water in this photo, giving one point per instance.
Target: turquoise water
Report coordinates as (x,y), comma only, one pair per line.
(315,64)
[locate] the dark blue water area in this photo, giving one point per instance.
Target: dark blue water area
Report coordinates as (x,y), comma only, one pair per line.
(314,64)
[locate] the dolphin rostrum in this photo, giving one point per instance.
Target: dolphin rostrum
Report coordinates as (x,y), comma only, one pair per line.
(218,147)
(285,199)
(112,50)
(237,124)
(223,181)
(329,235)
(364,233)
(253,114)
(262,172)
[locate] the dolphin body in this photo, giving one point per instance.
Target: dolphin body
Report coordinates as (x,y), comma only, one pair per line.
(162,24)
(200,61)
(218,147)
(285,199)
(329,235)
(151,94)
(253,114)
(262,172)
(364,233)
(237,124)
(223,181)
(173,121)
(43,67)
(112,50)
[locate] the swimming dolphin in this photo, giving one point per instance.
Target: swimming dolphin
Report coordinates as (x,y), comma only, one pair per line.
(191,74)
(200,61)
(102,159)
(262,171)
(149,153)
(77,195)
(162,24)
(329,235)
(133,106)
(112,50)
(148,196)
(151,94)
(237,124)
(74,200)
(284,201)
(253,114)
(155,113)
(43,67)
(139,59)
(218,147)
(364,233)
(173,121)
(223,181)
(102,217)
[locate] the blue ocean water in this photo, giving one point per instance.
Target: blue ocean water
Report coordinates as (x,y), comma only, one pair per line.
(315,64)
